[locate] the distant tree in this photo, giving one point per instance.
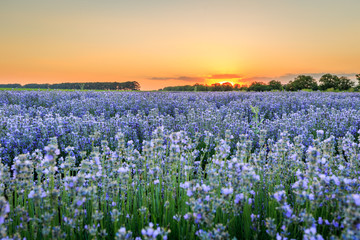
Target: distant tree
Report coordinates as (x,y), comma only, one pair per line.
(237,87)
(11,85)
(258,87)
(35,85)
(227,86)
(329,81)
(196,85)
(216,87)
(290,86)
(345,83)
(98,86)
(358,78)
(275,85)
(65,86)
(243,88)
(302,82)
(135,86)
(165,89)
(201,87)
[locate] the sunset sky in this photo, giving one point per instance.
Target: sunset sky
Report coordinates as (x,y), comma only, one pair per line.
(177,42)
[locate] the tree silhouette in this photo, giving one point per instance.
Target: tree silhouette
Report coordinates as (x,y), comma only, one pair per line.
(358,78)
(329,81)
(345,83)
(81,86)
(302,82)
(275,85)
(227,86)
(258,87)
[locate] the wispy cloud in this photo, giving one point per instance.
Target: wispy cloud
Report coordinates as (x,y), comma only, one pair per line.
(198,79)
(256,79)
(224,76)
(243,79)
(181,78)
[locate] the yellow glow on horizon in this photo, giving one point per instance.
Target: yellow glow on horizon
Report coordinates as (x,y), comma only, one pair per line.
(222,81)
(232,83)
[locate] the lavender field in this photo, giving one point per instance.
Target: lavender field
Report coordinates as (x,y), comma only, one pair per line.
(125,165)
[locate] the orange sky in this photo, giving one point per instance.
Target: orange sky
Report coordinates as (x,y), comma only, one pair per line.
(163,43)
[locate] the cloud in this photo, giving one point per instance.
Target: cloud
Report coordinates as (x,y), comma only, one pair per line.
(181,78)
(241,79)
(256,79)
(224,76)
(197,79)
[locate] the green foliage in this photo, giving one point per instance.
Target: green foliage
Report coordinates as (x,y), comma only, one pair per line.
(328,81)
(256,119)
(330,90)
(10,86)
(216,87)
(227,86)
(275,85)
(358,78)
(306,90)
(259,87)
(345,83)
(302,82)
(357,88)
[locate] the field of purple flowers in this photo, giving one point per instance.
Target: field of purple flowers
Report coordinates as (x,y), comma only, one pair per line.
(124,165)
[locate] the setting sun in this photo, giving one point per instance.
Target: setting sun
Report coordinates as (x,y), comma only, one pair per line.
(232,83)
(223,78)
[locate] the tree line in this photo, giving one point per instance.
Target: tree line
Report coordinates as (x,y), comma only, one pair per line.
(327,82)
(130,85)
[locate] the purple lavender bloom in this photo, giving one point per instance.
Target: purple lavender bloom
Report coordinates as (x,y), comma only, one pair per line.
(279,195)
(238,198)
(197,217)
(185,185)
(356,198)
(189,193)
(205,188)
(311,197)
(311,230)
(227,191)
(31,194)
(335,223)
(80,202)
(123,170)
